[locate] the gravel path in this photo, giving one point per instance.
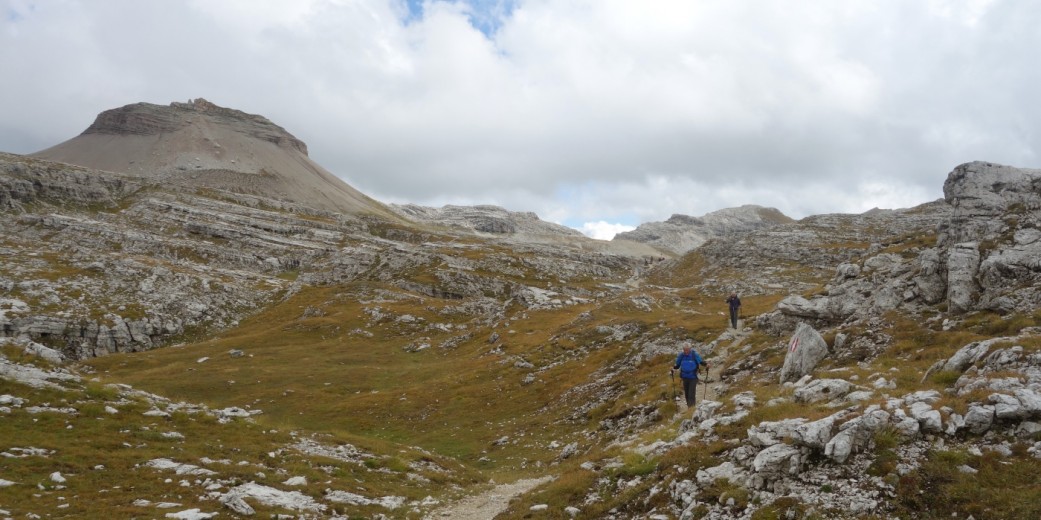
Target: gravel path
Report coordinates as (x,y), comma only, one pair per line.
(488,504)
(715,382)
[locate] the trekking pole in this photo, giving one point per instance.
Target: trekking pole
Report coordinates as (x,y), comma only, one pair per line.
(706,384)
(705,381)
(672,375)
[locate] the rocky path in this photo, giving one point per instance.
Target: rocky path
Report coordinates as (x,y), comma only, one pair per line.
(715,385)
(486,505)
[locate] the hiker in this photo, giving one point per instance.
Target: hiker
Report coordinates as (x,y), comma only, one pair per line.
(735,304)
(688,363)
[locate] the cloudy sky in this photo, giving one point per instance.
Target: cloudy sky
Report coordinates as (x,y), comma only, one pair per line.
(597,114)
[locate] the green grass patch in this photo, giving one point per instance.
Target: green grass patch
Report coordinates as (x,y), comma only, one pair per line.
(1001,487)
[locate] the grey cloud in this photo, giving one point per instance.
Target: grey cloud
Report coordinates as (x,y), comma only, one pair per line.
(575,110)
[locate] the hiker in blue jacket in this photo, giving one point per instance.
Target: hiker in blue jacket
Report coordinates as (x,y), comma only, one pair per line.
(688,363)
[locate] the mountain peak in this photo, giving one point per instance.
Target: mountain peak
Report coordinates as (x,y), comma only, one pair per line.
(151,119)
(200,144)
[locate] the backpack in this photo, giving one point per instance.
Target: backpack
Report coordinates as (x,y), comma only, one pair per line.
(689,366)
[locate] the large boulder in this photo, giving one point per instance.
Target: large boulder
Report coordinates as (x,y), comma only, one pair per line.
(990,244)
(981,193)
(805,350)
(834,307)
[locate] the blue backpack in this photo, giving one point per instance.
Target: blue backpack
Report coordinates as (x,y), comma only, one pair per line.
(689,365)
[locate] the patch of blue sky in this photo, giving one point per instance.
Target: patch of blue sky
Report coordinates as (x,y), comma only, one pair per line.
(486,16)
(415,10)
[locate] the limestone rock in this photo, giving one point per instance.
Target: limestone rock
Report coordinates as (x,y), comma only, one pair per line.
(929,420)
(777,460)
(967,355)
(923,396)
(771,433)
(979,418)
(908,427)
(963,261)
(237,505)
(727,471)
(1007,407)
(855,434)
(931,280)
(1030,400)
(982,192)
(822,390)
(806,348)
(815,435)
(990,240)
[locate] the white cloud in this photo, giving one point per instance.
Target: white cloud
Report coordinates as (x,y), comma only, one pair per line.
(579,110)
(604,230)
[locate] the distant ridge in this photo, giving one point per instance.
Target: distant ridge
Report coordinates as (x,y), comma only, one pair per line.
(200,144)
(681,233)
(485,219)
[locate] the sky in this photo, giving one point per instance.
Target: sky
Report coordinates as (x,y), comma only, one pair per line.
(596,114)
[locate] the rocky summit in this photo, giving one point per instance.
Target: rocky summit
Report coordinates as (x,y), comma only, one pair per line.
(188,330)
(199,144)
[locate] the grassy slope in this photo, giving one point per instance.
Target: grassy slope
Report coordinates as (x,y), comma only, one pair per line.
(320,374)
(102,455)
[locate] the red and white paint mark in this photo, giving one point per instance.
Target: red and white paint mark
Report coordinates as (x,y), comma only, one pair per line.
(793,345)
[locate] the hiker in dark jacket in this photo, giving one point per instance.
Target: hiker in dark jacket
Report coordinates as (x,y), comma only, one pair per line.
(735,304)
(688,363)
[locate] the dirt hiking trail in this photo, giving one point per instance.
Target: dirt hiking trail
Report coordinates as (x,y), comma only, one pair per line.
(488,504)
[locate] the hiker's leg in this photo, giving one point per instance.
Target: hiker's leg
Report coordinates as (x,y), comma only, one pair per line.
(689,387)
(733,318)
